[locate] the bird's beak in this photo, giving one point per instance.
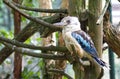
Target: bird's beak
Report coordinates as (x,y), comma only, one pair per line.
(61,24)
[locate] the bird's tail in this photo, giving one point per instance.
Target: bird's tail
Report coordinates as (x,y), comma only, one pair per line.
(101,63)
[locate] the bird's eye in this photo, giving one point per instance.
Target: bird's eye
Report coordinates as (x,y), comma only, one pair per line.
(68,21)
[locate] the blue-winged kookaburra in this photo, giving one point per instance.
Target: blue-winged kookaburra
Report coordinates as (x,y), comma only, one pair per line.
(75,37)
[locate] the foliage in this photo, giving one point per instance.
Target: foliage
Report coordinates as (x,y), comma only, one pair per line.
(32,69)
(7,34)
(30,74)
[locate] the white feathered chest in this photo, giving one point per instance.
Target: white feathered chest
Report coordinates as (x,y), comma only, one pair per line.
(71,44)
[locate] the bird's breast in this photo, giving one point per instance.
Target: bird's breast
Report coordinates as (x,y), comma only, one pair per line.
(72,45)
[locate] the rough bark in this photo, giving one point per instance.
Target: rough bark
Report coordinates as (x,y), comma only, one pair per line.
(111,36)
(17,56)
(79,70)
(76,8)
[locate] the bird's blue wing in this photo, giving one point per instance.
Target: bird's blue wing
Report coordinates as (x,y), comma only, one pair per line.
(85,42)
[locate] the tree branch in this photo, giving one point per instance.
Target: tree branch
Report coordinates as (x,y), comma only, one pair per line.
(29,30)
(100,19)
(60,72)
(31,18)
(110,35)
(41,10)
(20,44)
(34,54)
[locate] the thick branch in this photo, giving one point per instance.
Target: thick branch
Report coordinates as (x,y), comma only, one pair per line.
(110,35)
(20,44)
(60,72)
(100,19)
(34,54)
(112,39)
(42,10)
(31,18)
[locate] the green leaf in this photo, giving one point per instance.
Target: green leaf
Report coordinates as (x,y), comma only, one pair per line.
(28,76)
(65,77)
(29,62)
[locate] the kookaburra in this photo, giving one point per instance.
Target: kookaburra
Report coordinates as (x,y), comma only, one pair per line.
(77,38)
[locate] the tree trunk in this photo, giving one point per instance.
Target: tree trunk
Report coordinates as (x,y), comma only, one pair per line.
(17,56)
(96,33)
(76,7)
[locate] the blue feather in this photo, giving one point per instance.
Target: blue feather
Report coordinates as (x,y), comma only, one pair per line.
(100,62)
(85,43)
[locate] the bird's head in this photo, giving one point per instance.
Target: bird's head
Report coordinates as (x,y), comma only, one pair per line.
(69,23)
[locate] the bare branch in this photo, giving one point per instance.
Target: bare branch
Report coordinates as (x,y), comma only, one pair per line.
(7,2)
(49,48)
(41,10)
(20,44)
(34,54)
(29,30)
(103,12)
(60,72)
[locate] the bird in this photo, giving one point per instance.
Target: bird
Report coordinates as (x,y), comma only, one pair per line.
(76,40)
